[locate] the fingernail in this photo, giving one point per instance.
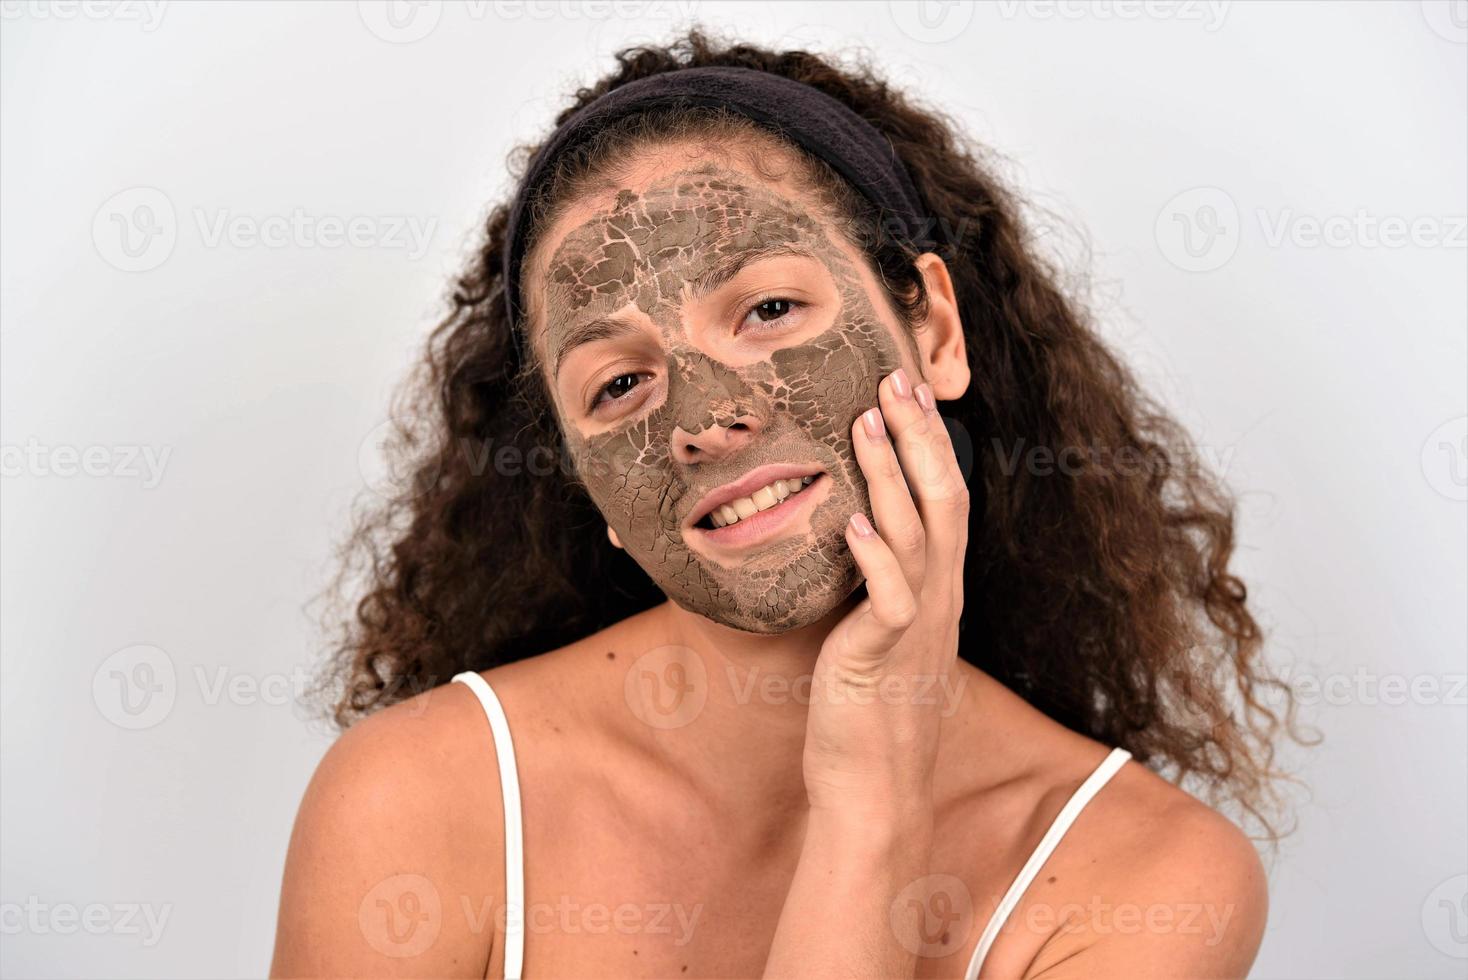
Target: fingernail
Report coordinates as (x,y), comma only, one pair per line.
(862,526)
(924,393)
(900,384)
(871,420)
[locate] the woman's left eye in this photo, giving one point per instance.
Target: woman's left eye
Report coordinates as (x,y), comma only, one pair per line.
(769,311)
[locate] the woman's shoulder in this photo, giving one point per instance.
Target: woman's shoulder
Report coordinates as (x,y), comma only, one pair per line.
(1136,812)
(1143,862)
(416,751)
(1158,868)
(438,744)
(401,814)
(1155,866)
(1172,843)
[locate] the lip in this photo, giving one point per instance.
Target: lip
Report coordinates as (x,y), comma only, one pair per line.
(747,484)
(763,526)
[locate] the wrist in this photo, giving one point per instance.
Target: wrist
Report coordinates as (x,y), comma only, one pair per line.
(876,831)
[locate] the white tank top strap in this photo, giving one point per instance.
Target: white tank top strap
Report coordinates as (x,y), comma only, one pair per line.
(504,750)
(1068,813)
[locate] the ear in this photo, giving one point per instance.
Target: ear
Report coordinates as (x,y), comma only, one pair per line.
(942,354)
(612,537)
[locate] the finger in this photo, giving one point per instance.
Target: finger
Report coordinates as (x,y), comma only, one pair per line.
(930,467)
(893,509)
(890,607)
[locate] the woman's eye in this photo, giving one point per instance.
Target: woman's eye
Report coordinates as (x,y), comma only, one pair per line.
(616,388)
(770,310)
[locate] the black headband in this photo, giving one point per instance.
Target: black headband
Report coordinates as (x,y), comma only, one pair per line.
(801,113)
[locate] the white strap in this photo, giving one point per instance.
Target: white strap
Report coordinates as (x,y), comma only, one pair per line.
(504,750)
(1063,820)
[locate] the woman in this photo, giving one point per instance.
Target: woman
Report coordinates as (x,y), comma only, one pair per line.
(867,708)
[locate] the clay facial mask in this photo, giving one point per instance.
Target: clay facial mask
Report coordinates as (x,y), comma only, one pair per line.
(635,270)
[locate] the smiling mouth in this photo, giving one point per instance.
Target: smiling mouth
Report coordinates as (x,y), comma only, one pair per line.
(767,497)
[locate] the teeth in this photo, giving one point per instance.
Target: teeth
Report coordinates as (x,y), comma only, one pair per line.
(762,499)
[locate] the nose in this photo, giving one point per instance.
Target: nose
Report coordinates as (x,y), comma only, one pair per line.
(716,413)
(718,440)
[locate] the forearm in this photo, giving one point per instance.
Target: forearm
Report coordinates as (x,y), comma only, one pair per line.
(842,915)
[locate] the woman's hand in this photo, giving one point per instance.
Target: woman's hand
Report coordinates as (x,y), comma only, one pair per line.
(873,730)
(872,735)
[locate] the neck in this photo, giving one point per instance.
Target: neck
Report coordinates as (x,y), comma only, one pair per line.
(740,730)
(735,708)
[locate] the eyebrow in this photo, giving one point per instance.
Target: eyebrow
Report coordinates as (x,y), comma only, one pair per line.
(729,268)
(610,328)
(586,332)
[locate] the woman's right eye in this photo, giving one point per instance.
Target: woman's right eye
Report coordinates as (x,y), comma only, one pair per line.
(617,388)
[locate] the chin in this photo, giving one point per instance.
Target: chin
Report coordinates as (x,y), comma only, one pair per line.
(755,616)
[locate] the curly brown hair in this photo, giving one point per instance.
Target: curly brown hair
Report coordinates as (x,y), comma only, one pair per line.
(1099,592)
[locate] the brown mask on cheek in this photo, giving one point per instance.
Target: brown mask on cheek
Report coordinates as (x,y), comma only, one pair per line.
(641,252)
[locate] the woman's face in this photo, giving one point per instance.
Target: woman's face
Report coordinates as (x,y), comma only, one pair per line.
(704,334)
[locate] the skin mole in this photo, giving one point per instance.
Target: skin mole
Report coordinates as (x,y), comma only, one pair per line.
(638,257)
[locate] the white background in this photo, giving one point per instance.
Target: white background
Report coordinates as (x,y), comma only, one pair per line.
(1310,331)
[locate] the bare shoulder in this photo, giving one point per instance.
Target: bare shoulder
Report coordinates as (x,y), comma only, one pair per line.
(1172,888)
(396,846)
(399,840)
(1173,842)
(1148,880)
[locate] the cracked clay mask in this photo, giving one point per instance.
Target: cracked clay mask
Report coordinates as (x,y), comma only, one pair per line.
(677,287)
